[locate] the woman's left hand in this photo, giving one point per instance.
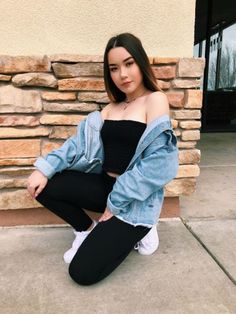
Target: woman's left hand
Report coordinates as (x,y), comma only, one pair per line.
(106,215)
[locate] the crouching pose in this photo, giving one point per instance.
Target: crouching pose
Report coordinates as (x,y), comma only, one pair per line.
(117,164)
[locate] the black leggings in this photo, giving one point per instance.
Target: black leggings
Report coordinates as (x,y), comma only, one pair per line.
(108,244)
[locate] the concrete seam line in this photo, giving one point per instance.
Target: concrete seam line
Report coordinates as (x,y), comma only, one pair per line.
(209,252)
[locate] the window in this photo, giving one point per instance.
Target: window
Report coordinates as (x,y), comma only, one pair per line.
(227,75)
(212,73)
(199,49)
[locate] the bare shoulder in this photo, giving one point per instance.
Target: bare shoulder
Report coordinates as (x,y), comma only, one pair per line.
(157,105)
(105,111)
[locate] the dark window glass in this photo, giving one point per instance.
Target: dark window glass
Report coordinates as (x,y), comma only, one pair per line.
(227,75)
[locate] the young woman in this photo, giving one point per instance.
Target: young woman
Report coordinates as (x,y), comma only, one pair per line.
(117,165)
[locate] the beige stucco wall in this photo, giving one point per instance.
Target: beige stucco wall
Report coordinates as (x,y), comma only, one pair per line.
(166,27)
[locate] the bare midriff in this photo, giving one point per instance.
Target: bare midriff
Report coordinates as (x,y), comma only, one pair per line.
(112,174)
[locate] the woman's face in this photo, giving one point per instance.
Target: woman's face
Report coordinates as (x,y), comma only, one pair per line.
(124,71)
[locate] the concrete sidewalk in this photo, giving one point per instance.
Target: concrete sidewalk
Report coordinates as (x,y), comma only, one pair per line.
(181,277)
(193,271)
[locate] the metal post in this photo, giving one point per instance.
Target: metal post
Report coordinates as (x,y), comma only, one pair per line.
(207,54)
(219,50)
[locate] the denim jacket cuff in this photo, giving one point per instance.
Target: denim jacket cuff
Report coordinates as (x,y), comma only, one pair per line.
(113,209)
(42,165)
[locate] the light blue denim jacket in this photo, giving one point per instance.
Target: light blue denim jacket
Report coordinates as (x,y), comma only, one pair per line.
(138,193)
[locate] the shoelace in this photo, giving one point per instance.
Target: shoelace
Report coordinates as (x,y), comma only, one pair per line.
(137,245)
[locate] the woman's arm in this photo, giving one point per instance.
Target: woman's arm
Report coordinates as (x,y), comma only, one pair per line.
(56,161)
(157,106)
(61,158)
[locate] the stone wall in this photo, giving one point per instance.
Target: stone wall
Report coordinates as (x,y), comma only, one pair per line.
(43,98)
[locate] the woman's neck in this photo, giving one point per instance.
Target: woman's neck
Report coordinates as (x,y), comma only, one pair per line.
(135,95)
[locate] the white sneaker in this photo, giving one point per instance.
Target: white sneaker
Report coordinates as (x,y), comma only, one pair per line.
(149,244)
(80,236)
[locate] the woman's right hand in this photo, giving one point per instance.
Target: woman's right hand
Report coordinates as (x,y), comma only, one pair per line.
(36,183)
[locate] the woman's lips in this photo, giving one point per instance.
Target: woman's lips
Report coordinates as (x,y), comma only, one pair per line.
(126,83)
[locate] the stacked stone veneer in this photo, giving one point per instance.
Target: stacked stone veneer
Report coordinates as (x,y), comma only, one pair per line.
(42,99)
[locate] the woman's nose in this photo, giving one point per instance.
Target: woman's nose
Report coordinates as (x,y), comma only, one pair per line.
(123,72)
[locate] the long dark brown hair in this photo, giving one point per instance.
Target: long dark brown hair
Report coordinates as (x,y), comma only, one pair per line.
(134,46)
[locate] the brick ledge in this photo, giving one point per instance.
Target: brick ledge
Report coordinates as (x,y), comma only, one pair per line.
(42,216)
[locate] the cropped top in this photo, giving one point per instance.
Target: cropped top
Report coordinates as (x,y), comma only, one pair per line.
(120,139)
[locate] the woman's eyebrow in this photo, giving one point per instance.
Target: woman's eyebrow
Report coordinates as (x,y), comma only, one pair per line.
(128,58)
(113,64)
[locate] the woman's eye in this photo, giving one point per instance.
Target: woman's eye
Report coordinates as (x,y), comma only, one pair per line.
(113,69)
(128,64)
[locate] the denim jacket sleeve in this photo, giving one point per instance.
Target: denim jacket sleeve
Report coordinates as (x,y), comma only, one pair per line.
(61,158)
(157,166)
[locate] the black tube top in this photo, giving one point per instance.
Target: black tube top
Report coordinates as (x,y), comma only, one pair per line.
(120,139)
